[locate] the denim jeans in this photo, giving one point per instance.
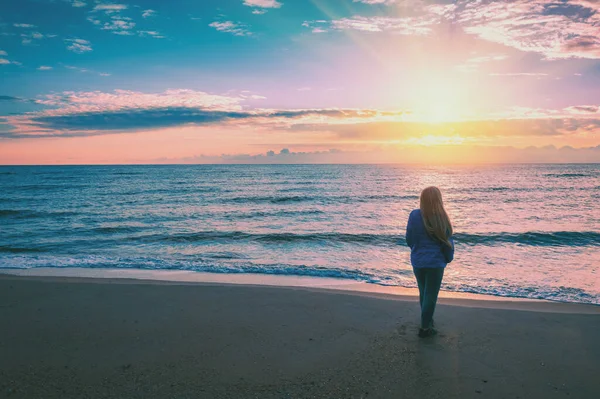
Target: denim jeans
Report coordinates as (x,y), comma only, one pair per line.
(429,281)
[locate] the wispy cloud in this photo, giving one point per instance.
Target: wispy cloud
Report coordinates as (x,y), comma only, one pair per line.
(109,17)
(150,33)
(78,45)
(32,37)
(375,1)
(113,18)
(4,61)
(148,13)
(110,8)
(94,113)
(418,25)
(473,64)
(405,154)
(24,26)
(74,68)
(85,70)
(584,109)
(10,98)
(79,102)
(231,27)
(44,68)
(263,3)
(119,25)
(78,3)
(553,29)
(89,113)
(516,74)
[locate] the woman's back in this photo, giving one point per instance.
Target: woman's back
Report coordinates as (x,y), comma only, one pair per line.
(426,251)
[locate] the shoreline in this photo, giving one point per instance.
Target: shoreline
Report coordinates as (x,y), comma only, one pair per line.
(318,284)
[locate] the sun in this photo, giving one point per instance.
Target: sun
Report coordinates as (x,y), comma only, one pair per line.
(437,98)
(439,101)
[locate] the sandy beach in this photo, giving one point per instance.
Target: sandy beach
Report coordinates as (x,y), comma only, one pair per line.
(117,338)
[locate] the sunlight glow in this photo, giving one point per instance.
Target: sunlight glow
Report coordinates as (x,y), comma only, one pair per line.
(433,140)
(439,100)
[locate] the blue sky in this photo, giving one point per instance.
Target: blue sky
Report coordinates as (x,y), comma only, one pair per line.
(77,75)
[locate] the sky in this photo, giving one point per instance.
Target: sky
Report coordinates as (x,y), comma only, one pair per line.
(299,81)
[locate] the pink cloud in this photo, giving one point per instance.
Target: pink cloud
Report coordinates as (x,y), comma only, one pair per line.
(262,3)
(401,26)
(540,26)
(96,101)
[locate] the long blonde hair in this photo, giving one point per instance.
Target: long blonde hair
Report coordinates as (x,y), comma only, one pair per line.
(436,220)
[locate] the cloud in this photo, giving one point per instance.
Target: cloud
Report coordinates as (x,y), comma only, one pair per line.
(109,8)
(78,45)
(44,68)
(128,119)
(78,3)
(553,29)
(150,33)
(515,74)
(96,113)
(473,64)
(409,25)
(110,17)
(148,13)
(77,68)
(28,38)
(263,3)
(81,102)
(284,156)
(119,25)
(24,26)
(230,27)
(405,154)
(465,131)
(584,109)
(85,70)
(10,98)
(4,61)
(86,113)
(259,12)
(375,1)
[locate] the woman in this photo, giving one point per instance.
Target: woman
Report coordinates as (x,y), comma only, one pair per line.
(429,236)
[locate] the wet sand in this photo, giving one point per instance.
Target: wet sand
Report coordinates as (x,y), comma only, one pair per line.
(114,338)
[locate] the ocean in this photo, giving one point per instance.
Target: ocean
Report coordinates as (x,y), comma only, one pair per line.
(527,231)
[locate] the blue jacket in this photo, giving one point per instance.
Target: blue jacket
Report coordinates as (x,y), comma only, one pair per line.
(426,251)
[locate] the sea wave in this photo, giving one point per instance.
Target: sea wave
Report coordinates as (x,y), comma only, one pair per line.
(29,214)
(568,175)
(324,199)
(18,250)
(559,238)
(396,277)
(117,229)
